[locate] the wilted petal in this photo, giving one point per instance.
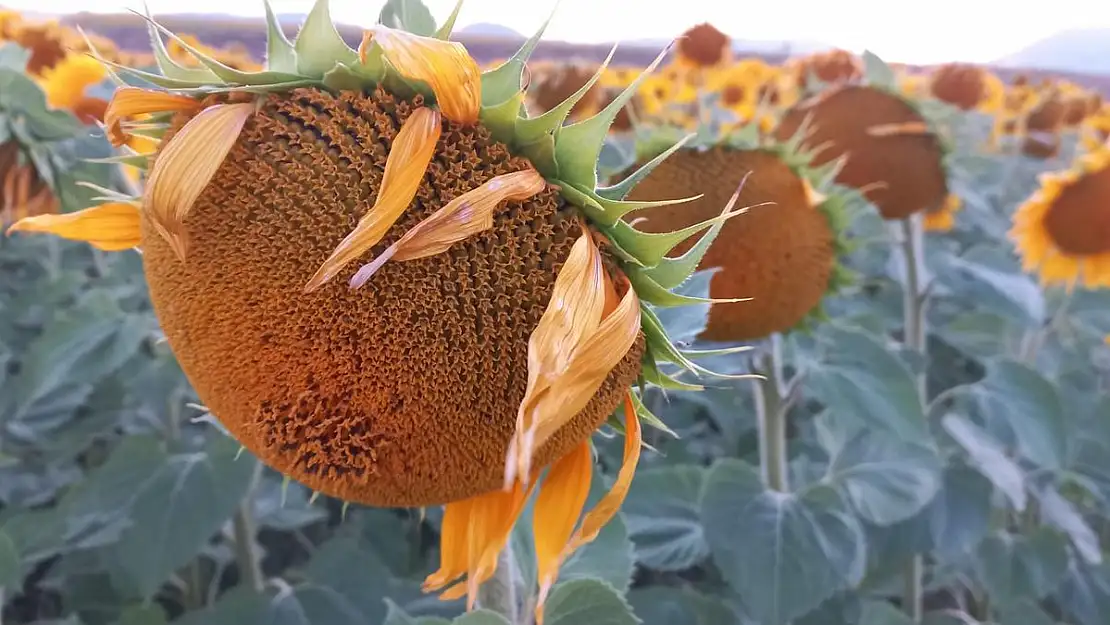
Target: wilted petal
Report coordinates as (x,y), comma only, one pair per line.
(558,506)
(573,313)
(445,66)
(127,102)
(405,166)
(187,164)
(462,217)
(111,227)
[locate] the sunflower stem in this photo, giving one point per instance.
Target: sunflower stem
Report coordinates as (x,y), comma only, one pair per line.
(498,594)
(243,528)
(771,418)
(913,337)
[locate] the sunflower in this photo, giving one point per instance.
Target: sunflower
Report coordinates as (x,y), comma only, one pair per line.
(893,155)
(23,193)
(553,83)
(962,85)
(1095,130)
(394,286)
(780,256)
(67,81)
(1044,125)
(832,67)
(1062,231)
(703,47)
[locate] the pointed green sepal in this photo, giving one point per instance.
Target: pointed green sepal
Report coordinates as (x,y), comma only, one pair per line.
(448,27)
(319,46)
(620,190)
(313,497)
(281,56)
(548,124)
(142,161)
(227,74)
(583,200)
(651,248)
(650,291)
(169,67)
(112,74)
(343,510)
(652,375)
(343,78)
(285,480)
(694,354)
(647,417)
(502,82)
(578,146)
(658,341)
(501,119)
(157,79)
(239,453)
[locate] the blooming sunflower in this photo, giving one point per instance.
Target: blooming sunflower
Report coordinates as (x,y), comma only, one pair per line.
(703,47)
(781,255)
(391,284)
(1062,231)
(894,156)
(65,85)
(1044,125)
(960,84)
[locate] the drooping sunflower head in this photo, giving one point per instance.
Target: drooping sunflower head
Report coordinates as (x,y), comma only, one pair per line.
(781,257)
(703,46)
(960,84)
(892,152)
(392,284)
(1062,231)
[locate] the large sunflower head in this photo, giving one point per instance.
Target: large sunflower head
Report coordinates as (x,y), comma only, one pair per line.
(1063,230)
(892,152)
(781,256)
(392,284)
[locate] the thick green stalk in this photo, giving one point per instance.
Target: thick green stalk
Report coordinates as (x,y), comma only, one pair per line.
(914,333)
(771,417)
(499,592)
(243,529)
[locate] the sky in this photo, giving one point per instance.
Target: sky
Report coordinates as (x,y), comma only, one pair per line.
(947,30)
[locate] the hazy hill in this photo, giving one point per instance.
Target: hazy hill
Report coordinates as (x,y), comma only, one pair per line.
(1086,51)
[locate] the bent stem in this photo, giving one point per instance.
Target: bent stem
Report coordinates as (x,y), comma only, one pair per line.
(498,594)
(914,333)
(771,407)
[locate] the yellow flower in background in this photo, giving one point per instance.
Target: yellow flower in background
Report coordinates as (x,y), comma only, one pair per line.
(66,82)
(1062,231)
(943,218)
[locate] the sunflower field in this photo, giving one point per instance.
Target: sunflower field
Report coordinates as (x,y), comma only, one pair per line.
(377,332)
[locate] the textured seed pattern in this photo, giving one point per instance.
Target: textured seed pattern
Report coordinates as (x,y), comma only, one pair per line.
(402,393)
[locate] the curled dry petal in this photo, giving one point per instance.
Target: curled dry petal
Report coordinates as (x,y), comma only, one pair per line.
(405,166)
(445,66)
(570,353)
(902,128)
(186,165)
(127,102)
(462,217)
(111,227)
(558,506)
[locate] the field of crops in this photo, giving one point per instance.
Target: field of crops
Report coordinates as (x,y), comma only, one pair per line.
(324,327)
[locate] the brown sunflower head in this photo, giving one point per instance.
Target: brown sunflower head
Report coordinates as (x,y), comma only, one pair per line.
(832,67)
(960,84)
(891,154)
(704,46)
(553,83)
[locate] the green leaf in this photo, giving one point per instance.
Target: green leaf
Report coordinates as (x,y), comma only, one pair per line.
(177,510)
(948,617)
(395,615)
(281,56)
(959,516)
(408,15)
(346,566)
(783,553)
(152,614)
(882,613)
(859,378)
(240,606)
(1022,299)
(662,515)
(481,617)
(587,601)
(1025,612)
(11,566)
(1085,593)
(311,604)
(1022,399)
(663,605)
(1063,515)
(989,458)
(885,479)
(1013,568)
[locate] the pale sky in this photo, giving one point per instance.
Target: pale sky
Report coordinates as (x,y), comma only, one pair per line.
(913,32)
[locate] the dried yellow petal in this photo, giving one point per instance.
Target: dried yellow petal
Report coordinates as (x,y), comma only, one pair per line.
(128,102)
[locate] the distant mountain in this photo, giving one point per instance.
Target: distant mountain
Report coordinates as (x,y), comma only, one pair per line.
(483,29)
(1086,51)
